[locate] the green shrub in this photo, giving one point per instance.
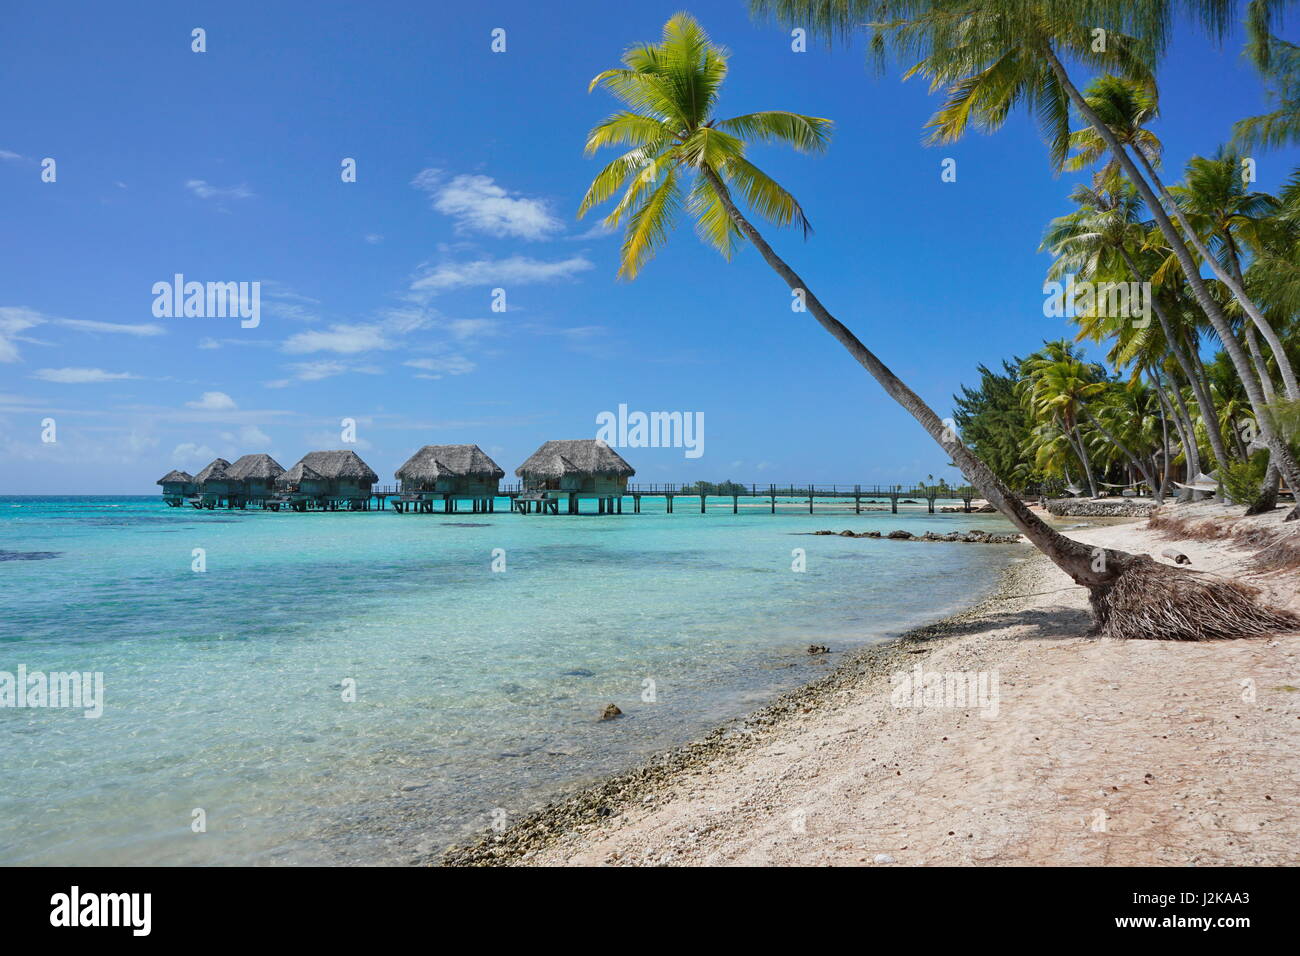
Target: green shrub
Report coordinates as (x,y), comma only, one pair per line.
(1243,481)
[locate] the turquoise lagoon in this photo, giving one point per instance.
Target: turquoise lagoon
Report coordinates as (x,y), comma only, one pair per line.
(476,691)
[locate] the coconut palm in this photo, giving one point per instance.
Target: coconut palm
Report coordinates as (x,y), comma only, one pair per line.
(1102,241)
(990,56)
(1126,108)
(1280,126)
(1056,387)
(1226,216)
(683,156)
(1208,204)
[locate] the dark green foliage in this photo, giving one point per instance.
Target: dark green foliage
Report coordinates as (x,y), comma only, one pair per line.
(1244,480)
(715,488)
(994,424)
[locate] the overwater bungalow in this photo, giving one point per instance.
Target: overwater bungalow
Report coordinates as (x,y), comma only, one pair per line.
(177,485)
(340,479)
(214,487)
(450,473)
(256,476)
(299,487)
(570,471)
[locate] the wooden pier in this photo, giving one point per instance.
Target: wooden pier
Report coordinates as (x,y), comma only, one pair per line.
(559,502)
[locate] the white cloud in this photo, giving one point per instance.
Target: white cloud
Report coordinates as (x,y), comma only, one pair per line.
(438,367)
(598,231)
(478,204)
(213,402)
(79,376)
(7,154)
(191,454)
(373,238)
(13,321)
(316,371)
(465,329)
(515,270)
(344,339)
(203,190)
(88,325)
(16,319)
(252,435)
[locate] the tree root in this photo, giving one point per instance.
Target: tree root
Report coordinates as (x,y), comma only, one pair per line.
(1153,601)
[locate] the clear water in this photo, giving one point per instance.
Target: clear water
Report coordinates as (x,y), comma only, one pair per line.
(476,691)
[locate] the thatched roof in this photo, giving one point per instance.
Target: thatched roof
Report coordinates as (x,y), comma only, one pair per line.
(216,471)
(449,461)
(339,464)
(175,476)
(582,456)
(299,473)
(256,467)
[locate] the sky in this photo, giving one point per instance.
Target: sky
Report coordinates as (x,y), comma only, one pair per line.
(376,296)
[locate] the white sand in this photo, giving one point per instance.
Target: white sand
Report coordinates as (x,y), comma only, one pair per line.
(1103,752)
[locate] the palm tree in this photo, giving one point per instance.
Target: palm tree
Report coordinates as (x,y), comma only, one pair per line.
(1226,217)
(1056,387)
(682,155)
(1280,126)
(990,56)
(1125,107)
(1102,241)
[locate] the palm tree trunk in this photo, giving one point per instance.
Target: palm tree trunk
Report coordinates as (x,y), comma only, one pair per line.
(1082,451)
(1235,284)
(1275,344)
(1252,349)
(1095,569)
(1198,388)
(1186,429)
(1267,492)
(1075,441)
(1281,453)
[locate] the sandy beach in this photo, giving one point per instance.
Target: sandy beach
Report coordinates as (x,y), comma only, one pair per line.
(1093,751)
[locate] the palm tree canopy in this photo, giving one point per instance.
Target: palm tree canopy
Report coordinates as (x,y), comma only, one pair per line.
(1279,63)
(670,90)
(990,57)
(1126,107)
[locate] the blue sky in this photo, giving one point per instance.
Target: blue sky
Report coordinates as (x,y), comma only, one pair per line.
(376,295)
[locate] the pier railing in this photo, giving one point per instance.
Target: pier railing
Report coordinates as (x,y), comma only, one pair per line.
(755,490)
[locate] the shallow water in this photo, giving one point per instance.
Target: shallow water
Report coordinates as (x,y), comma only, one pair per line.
(476,691)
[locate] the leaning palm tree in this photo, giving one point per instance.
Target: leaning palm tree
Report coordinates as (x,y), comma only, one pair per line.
(682,156)
(991,56)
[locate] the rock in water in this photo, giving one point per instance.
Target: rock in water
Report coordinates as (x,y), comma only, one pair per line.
(610,712)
